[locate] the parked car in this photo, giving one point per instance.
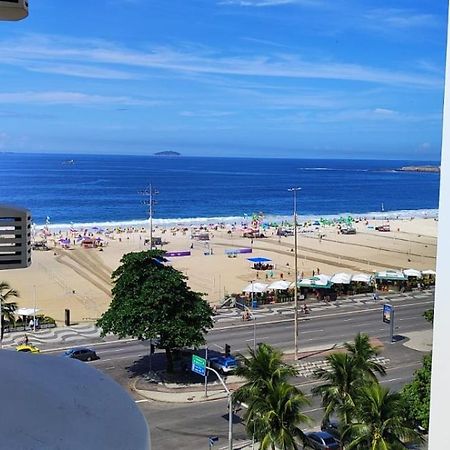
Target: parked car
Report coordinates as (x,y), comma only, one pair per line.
(383,228)
(331,426)
(321,440)
(224,364)
(83,354)
(27,348)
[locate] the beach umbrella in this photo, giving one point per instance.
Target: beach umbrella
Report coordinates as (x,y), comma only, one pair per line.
(321,280)
(279,285)
(341,278)
(428,272)
(412,273)
(256,288)
(259,260)
(26,311)
(390,275)
(305,282)
(362,278)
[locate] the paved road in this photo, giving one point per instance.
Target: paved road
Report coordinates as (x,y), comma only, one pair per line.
(187,426)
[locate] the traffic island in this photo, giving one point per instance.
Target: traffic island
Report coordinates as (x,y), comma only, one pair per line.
(182,392)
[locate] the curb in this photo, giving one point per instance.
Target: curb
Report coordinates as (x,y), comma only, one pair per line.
(177,397)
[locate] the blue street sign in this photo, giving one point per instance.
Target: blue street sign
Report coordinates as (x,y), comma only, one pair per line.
(198,365)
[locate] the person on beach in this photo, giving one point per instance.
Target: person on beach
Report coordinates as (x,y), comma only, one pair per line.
(25,339)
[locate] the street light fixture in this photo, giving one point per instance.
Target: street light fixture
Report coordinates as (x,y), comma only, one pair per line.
(294,191)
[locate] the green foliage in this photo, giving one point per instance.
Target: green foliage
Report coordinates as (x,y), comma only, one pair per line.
(378,422)
(341,384)
(363,352)
(274,417)
(264,364)
(416,395)
(151,300)
(348,373)
(429,315)
(7,307)
(274,406)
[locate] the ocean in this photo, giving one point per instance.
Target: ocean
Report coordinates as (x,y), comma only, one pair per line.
(105,189)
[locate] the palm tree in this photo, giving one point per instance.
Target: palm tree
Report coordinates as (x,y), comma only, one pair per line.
(265,364)
(7,309)
(363,353)
(379,423)
(341,383)
(274,418)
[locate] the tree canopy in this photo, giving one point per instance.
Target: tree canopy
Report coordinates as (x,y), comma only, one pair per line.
(152,300)
(416,395)
(7,307)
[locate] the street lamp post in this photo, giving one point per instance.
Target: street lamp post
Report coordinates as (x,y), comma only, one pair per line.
(34,311)
(230,408)
(294,191)
(150,192)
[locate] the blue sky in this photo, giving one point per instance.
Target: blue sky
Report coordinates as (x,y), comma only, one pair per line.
(275,78)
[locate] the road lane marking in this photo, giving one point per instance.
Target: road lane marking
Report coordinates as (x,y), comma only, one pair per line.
(258,338)
(311,331)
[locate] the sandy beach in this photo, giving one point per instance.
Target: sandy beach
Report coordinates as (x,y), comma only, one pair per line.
(80,278)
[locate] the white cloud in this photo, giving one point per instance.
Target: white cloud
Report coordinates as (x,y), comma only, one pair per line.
(384,112)
(400,18)
(69,98)
(205,114)
(83,71)
(54,50)
(260,3)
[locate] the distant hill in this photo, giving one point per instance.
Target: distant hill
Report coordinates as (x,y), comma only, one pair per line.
(167,153)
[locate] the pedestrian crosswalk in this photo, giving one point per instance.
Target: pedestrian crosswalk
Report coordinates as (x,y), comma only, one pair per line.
(308,369)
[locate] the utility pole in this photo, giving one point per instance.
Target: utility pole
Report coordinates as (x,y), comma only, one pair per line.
(294,191)
(150,192)
(34,311)
(230,408)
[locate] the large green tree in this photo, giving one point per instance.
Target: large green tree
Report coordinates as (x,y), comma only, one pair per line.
(341,382)
(8,308)
(152,300)
(363,354)
(263,364)
(378,424)
(416,395)
(274,418)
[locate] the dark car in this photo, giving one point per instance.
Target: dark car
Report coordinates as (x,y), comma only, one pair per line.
(321,440)
(331,426)
(83,354)
(224,364)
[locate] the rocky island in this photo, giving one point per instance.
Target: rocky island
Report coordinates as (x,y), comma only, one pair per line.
(432,169)
(167,153)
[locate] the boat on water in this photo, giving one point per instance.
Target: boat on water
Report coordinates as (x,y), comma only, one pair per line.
(69,161)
